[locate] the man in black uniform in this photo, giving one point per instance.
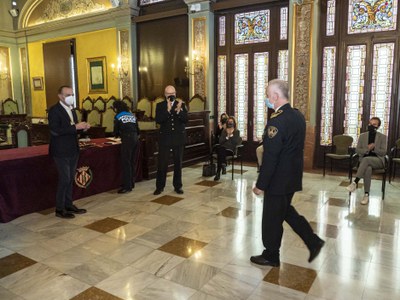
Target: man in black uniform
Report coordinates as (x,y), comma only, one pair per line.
(172,116)
(282,176)
(126,127)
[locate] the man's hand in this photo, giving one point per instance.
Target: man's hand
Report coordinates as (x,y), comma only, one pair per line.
(178,106)
(371,146)
(82,126)
(257,191)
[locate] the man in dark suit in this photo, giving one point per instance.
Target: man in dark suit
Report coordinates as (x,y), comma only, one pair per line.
(282,176)
(64,149)
(172,116)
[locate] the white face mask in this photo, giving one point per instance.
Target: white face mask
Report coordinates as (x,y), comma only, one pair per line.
(69,100)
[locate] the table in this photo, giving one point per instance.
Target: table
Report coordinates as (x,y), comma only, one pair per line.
(28,176)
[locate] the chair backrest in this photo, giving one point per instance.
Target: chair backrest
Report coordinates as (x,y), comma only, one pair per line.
(10,107)
(110,102)
(342,143)
(107,120)
(78,114)
(197,103)
(87,104)
(22,136)
(94,117)
(154,105)
(144,104)
(100,104)
(128,102)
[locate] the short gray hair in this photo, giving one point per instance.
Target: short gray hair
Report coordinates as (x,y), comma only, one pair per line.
(282,86)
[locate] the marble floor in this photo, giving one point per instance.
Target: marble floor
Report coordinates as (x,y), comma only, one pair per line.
(197,245)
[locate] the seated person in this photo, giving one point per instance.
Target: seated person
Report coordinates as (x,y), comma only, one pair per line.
(371,148)
(220,126)
(229,139)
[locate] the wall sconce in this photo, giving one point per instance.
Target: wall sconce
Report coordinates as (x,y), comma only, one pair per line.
(197,63)
(4,75)
(143,69)
(121,73)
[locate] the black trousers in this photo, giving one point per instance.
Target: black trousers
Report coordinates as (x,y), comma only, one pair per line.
(162,166)
(66,167)
(221,155)
(276,209)
(128,150)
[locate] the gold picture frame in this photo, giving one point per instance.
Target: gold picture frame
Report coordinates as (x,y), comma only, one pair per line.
(37,83)
(97,75)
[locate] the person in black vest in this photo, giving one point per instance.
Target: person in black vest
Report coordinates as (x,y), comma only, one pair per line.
(126,127)
(172,116)
(282,176)
(64,149)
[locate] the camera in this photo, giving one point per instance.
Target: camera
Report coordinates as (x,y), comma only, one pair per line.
(171,98)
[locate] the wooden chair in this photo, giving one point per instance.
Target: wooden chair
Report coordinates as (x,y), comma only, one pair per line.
(10,107)
(94,117)
(340,150)
(354,166)
(110,102)
(87,104)
(231,157)
(79,115)
(144,104)
(128,102)
(196,103)
(22,136)
(394,160)
(100,104)
(154,105)
(107,120)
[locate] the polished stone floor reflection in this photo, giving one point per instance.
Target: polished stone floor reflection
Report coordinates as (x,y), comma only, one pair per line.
(197,245)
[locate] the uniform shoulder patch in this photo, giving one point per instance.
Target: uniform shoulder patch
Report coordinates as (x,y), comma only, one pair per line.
(272,131)
(277,113)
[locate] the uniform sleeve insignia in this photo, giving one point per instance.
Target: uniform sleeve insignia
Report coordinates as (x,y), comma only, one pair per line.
(277,113)
(272,131)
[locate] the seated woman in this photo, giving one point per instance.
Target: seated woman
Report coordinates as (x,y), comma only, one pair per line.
(220,126)
(229,139)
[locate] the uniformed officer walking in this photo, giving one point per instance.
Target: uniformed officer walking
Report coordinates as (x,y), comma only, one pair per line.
(282,176)
(172,116)
(126,127)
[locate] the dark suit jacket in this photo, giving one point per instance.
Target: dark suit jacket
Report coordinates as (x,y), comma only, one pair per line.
(282,172)
(63,135)
(172,125)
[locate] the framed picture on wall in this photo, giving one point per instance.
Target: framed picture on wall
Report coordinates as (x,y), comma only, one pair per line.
(37,83)
(97,75)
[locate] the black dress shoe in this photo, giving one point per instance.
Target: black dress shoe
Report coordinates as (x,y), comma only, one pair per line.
(64,214)
(158,191)
(179,191)
(74,210)
(261,260)
(314,251)
(217,177)
(123,191)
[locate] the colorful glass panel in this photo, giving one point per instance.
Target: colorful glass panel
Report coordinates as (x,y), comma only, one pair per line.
(222,31)
(330,17)
(382,75)
(241,92)
(284,23)
(252,27)
(283,64)
(372,15)
(221,85)
(260,85)
(354,95)
(328,92)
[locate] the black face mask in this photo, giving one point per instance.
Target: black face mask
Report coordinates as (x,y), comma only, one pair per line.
(229,125)
(372,128)
(223,120)
(171,98)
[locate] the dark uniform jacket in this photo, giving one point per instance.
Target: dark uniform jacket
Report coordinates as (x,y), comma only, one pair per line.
(284,152)
(172,125)
(125,125)
(63,134)
(231,142)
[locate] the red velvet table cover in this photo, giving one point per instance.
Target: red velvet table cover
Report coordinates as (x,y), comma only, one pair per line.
(28,176)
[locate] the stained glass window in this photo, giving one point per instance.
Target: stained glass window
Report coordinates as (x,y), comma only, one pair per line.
(222,31)
(260,84)
(284,23)
(283,64)
(372,15)
(354,96)
(382,74)
(328,92)
(252,27)
(241,92)
(330,17)
(145,2)
(221,85)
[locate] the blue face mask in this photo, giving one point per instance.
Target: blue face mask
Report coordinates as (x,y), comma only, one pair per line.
(269,104)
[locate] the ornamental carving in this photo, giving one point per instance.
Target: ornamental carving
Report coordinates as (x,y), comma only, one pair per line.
(199,45)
